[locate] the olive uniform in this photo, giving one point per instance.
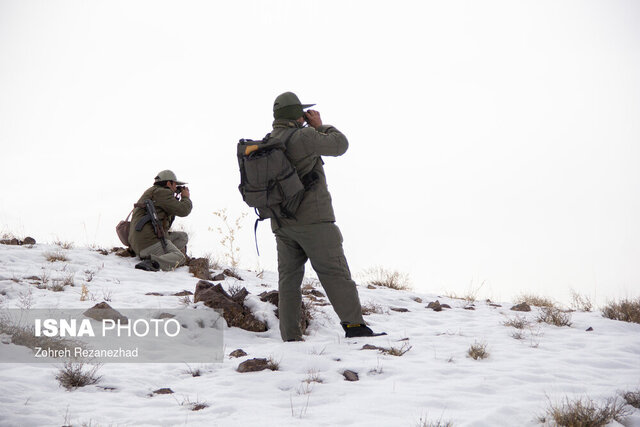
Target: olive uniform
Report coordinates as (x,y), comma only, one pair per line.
(312,234)
(145,243)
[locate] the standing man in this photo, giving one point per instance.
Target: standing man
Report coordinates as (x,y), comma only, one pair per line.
(311,233)
(165,249)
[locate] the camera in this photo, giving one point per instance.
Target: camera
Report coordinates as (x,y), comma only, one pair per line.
(179,188)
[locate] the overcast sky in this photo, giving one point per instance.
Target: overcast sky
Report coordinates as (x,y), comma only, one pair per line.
(491,142)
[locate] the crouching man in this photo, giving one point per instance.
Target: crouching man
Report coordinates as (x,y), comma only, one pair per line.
(149,235)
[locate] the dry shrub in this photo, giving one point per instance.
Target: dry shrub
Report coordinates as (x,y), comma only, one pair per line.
(273,364)
(627,310)
(585,413)
(194,406)
(72,375)
(580,302)
(395,351)
(632,398)
(313,377)
(517,322)
(378,276)
(437,423)
(25,336)
(63,245)
(372,308)
(554,316)
(536,300)
(55,256)
(478,351)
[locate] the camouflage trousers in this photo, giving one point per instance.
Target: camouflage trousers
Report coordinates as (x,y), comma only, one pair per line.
(173,257)
(322,245)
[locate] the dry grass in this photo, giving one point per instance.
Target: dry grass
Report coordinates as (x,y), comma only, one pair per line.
(372,308)
(379,276)
(517,322)
(72,375)
(478,351)
(437,423)
(194,406)
(632,398)
(554,316)
(313,377)
(580,302)
(395,351)
(273,364)
(63,245)
(585,413)
(535,300)
(469,296)
(55,256)
(627,310)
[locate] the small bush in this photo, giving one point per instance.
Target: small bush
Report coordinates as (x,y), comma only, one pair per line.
(55,256)
(313,377)
(535,300)
(378,276)
(395,351)
(517,322)
(72,375)
(585,412)
(273,364)
(194,406)
(627,310)
(372,308)
(478,351)
(632,398)
(554,316)
(580,302)
(63,245)
(518,335)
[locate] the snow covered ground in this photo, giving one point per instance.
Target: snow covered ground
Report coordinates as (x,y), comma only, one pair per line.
(434,380)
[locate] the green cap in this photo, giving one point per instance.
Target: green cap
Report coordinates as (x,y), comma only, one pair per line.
(288,106)
(167,175)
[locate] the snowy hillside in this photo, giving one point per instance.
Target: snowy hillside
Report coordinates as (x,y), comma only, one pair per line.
(434,380)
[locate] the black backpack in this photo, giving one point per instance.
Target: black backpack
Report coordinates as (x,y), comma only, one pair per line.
(268,181)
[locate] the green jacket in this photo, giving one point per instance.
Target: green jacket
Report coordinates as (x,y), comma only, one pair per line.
(305,149)
(167,207)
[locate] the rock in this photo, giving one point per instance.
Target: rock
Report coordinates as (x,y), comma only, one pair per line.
(254,365)
(124,252)
(314,292)
(469,307)
(418,300)
(29,241)
(165,316)
(445,306)
(238,353)
(399,309)
(165,390)
(269,296)
(589,329)
(521,307)
(218,277)
(155,294)
(229,273)
(371,287)
(272,297)
(494,305)
(103,311)
(233,309)
(199,267)
(435,305)
(350,375)
(183,293)
(371,347)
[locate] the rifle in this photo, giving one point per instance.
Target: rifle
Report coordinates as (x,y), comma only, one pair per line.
(152,216)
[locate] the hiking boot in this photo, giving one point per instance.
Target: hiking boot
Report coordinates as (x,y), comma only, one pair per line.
(148,265)
(359,330)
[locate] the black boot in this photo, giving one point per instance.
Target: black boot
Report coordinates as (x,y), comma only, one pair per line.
(359,330)
(148,265)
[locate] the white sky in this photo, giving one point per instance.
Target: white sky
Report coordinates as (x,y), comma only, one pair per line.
(493,142)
